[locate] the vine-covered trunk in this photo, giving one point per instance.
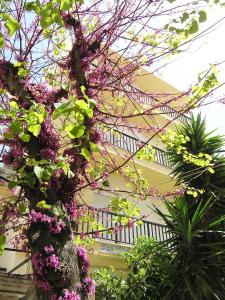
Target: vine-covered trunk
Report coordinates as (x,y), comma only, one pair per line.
(69,275)
(48,177)
(48,173)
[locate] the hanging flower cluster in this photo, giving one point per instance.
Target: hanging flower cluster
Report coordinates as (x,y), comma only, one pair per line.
(14,156)
(66,295)
(57,189)
(54,224)
(87,285)
(43,262)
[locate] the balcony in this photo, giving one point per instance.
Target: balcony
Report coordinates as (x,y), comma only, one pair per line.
(137,95)
(132,144)
(118,233)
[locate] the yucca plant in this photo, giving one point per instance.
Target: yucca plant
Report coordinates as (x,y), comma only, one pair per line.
(199,247)
(196,219)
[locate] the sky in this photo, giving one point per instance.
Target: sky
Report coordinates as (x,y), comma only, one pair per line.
(183,71)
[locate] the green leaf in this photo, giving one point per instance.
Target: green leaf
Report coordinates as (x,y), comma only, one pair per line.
(16,127)
(66,4)
(106,183)
(50,15)
(94,147)
(38,171)
(2,41)
(194,27)
(11,25)
(42,162)
(89,113)
(39,116)
(92,103)
(83,89)
(22,72)
(2,243)
(22,208)
(8,135)
(202,16)
(77,131)
(35,129)
(184,17)
(84,106)
(30,180)
(43,173)
(62,109)
(24,137)
(12,184)
(43,204)
(13,104)
(86,153)
(31,6)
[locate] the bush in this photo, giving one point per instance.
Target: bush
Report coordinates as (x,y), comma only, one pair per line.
(147,277)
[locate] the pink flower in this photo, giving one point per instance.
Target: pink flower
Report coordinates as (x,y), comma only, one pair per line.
(47,153)
(70,295)
(84,264)
(89,286)
(13,156)
(94,184)
(53,261)
(96,234)
(43,284)
(56,226)
(67,295)
(71,208)
(81,252)
(130,223)
(49,249)
(38,263)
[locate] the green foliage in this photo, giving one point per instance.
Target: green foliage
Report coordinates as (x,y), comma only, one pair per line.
(74,112)
(42,204)
(196,220)
(109,285)
(207,81)
(24,121)
(136,177)
(22,208)
(199,249)
(149,267)
(2,243)
(124,210)
(146,153)
(10,23)
(2,42)
(147,277)
(40,171)
(194,153)
(86,153)
(46,19)
(55,7)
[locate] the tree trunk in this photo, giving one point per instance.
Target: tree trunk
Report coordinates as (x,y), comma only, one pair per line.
(70,276)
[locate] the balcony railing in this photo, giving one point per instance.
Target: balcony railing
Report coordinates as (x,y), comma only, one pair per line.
(119,233)
(138,96)
(132,144)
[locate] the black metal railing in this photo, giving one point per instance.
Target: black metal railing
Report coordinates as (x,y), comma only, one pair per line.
(114,231)
(132,144)
(142,98)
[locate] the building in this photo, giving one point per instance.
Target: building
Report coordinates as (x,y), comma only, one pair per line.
(15,266)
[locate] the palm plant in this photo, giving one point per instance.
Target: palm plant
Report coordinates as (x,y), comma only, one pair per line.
(198,261)
(201,145)
(196,219)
